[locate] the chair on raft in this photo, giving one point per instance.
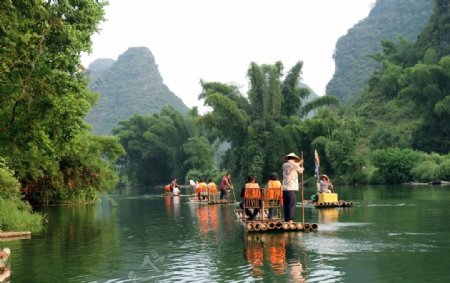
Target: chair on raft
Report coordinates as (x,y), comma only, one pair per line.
(273,198)
(253,196)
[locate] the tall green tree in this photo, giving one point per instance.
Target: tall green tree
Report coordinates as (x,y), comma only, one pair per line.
(44,94)
(252,123)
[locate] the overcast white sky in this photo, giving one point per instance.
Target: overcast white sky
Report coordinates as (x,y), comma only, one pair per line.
(215,40)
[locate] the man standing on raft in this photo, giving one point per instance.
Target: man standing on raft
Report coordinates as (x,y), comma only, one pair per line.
(291,168)
(224,185)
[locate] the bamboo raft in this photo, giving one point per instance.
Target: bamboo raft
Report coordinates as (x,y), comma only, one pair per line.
(332,204)
(14,235)
(273,224)
(194,199)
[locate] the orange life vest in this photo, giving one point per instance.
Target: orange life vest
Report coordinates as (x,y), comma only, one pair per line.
(253,191)
(273,190)
(202,187)
(212,188)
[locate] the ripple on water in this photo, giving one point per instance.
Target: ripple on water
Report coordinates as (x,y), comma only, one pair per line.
(388,204)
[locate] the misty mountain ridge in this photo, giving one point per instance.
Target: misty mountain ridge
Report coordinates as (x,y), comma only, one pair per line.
(130,85)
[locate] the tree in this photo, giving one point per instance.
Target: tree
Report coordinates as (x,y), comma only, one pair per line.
(44,92)
(259,126)
(161,147)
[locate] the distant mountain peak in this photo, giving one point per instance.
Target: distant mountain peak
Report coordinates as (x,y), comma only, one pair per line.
(130,85)
(100,65)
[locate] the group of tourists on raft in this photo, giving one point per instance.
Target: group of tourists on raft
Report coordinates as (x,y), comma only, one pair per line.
(172,188)
(207,190)
(278,194)
(275,195)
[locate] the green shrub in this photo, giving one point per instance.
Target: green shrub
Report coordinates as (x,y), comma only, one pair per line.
(444,170)
(9,186)
(426,171)
(395,165)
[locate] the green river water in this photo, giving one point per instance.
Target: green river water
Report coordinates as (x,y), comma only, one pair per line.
(391,234)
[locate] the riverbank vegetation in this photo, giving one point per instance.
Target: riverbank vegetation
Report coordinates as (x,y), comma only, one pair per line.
(15,214)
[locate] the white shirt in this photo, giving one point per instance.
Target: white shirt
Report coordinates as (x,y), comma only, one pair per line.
(291,169)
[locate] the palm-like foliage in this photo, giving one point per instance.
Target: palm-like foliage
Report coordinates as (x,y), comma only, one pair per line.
(250,123)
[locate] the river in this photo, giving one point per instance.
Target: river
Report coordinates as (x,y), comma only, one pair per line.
(391,234)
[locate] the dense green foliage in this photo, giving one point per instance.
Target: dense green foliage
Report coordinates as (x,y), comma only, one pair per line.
(130,85)
(169,142)
(388,20)
(412,88)
(15,214)
(162,147)
(262,127)
(44,100)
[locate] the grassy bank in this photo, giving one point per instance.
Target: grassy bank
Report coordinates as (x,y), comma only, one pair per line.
(15,214)
(18,216)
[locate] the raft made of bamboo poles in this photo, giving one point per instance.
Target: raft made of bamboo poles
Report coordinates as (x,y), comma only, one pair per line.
(222,201)
(274,225)
(210,202)
(15,235)
(332,204)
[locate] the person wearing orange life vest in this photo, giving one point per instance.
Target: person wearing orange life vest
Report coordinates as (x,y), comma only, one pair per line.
(251,184)
(273,191)
(212,189)
(202,190)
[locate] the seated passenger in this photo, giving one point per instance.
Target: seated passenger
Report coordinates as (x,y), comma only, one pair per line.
(202,190)
(273,193)
(212,189)
(325,184)
(251,197)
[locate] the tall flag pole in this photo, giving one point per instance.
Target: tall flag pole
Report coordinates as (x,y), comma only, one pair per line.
(316,164)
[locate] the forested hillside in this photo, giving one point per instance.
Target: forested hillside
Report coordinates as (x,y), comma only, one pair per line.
(130,85)
(388,20)
(412,89)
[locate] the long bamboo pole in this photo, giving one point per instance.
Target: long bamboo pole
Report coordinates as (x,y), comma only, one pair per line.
(303,205)
(232,187)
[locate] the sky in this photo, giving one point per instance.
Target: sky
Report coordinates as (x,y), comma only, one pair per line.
(216,40)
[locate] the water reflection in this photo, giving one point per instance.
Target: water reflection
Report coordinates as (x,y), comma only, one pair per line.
(172,205)
(395,236)
(277,252)
(328,215)
(208,219)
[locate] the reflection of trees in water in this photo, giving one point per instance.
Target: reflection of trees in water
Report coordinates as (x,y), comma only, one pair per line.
(276,252)
(68,246)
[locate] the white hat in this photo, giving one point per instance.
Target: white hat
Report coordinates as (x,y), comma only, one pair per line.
(292,155)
